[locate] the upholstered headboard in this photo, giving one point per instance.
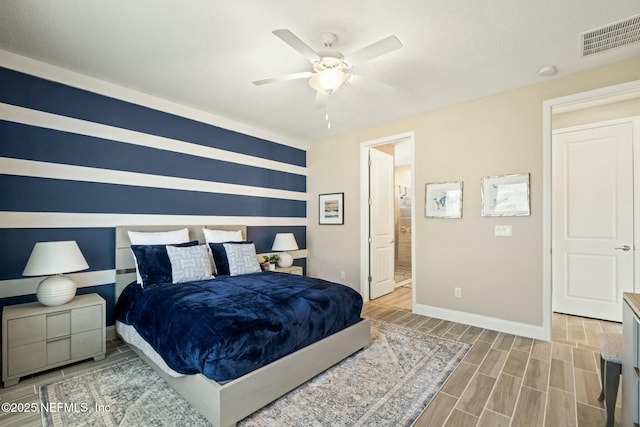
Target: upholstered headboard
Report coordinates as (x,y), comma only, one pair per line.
(125,263)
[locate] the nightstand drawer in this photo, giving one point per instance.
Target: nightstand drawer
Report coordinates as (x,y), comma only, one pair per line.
(58,351)
(58,324)
(86,343)
(86,318)
(26,330)
(27,358)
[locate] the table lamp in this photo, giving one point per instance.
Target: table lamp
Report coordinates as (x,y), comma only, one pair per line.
(285,242)
(54,259)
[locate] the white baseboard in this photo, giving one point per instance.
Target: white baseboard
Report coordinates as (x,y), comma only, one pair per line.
(493,323)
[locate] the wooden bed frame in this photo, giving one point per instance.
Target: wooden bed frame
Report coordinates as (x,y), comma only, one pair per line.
(226,404)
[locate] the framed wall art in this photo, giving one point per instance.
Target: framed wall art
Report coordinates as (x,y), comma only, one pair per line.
(443,200)
(331,208)
(506,195)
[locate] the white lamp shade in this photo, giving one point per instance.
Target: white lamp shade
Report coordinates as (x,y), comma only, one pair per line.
(55,258)
(285,242)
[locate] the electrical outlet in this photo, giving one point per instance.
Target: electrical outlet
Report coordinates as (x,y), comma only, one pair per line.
(457,292)
(343,275)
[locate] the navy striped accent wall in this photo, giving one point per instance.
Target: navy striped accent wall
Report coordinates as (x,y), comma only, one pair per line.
(44,95)
(71,149)
(61,195)
(75,163)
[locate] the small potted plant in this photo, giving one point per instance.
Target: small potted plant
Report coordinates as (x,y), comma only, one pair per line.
(270,261)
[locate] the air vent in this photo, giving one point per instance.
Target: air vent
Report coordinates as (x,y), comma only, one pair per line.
(618,34)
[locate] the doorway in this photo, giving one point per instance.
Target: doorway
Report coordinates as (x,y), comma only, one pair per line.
(401,185)
(593,106)
(403,203)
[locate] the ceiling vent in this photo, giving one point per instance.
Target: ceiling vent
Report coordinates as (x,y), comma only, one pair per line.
(618,34)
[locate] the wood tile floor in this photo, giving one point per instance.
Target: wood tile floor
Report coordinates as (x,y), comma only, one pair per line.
(507,380)
(504,380)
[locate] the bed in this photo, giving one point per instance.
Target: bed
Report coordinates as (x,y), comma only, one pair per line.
(230,399)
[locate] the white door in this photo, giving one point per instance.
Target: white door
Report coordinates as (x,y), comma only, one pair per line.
(592,219)
(381,253)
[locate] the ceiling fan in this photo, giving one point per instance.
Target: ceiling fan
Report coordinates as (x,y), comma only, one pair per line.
(332,70)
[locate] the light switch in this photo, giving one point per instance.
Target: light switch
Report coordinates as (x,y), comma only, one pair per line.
(502,231)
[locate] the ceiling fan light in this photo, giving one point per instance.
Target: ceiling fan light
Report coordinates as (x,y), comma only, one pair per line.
(328,81)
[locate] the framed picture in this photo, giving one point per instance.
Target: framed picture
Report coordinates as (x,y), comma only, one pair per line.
(443,200)
(331,208)
(506,195)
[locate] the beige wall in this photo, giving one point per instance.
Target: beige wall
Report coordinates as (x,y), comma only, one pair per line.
(501,134)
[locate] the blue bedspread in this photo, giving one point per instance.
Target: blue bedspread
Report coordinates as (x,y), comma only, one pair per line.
(227,327)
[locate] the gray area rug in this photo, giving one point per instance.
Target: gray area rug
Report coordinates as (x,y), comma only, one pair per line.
(387,384)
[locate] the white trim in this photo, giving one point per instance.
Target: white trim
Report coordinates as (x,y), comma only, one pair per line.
(71,78)
(38,169)
(364,203)
(636,198)
(627,96)
(28,286)
(603,92)
(547,131)
(595,125)
(492,323)
(82,127)
(546,222)
(101,220)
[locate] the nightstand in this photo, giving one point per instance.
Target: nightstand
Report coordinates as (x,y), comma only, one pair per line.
(294,269)
(36,337)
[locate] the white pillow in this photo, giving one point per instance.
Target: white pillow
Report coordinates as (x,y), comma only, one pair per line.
(242,258)
(222,236)
(156,238)
(189,263)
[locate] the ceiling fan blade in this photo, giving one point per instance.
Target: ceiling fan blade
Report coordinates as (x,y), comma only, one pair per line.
(283,78)
(301,47)
(371,85)
(321,99)
(378,48)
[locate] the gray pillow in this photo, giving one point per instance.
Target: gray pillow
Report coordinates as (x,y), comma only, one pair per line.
(242,259)
(190,263)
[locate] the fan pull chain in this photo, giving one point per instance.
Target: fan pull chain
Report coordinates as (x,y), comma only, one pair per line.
(326,115)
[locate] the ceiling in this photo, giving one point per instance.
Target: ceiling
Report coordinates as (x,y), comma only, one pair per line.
(205,53)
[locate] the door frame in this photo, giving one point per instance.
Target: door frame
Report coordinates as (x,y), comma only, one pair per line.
(364,208)
(595,95)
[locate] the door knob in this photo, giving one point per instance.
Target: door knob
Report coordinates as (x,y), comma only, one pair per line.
(625,248)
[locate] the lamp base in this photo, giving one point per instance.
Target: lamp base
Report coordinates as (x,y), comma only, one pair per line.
(285,260)
(56,290)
